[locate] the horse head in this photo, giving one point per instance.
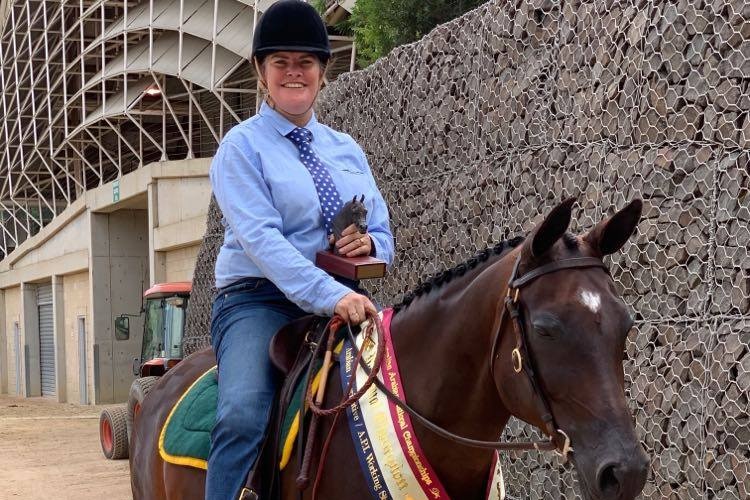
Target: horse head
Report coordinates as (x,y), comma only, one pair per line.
(353,212)
(567,375)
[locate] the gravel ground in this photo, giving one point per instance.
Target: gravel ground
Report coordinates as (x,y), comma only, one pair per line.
(51,450)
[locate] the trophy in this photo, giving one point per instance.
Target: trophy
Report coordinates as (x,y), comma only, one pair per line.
(354,268)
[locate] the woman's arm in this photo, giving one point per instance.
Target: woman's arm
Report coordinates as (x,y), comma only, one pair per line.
(246,203)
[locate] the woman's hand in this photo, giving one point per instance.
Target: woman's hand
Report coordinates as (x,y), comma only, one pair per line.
(354,308)
(353,243)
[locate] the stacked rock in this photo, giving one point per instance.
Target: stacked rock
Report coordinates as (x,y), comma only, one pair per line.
(480,127)
(198,314)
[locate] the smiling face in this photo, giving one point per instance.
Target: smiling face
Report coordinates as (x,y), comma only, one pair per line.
(293,80)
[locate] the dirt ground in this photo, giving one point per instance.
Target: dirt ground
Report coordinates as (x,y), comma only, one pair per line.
(51,450)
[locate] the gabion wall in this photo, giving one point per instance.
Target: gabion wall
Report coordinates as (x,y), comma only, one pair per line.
(491,119)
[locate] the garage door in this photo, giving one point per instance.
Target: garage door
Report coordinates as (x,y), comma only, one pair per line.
(46,340)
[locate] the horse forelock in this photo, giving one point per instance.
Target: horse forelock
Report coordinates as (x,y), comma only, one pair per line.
(570,241)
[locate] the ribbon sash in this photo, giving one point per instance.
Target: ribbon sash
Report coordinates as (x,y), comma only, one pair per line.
(389,453)
(358,430)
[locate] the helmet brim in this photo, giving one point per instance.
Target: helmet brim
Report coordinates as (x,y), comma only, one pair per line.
(323,54)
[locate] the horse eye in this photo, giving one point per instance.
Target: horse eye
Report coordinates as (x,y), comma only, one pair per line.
(546,325)
(543,332)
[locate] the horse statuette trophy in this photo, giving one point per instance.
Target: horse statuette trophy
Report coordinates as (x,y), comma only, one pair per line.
(354,268)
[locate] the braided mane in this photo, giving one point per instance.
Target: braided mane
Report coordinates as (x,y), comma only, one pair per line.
(439,279)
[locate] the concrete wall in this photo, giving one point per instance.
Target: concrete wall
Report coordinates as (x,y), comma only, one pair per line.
(178,209)
(180,263)
(30,326)
(76,293)
(4,358)
(181,210)
(12,306)
(59,248)
(100,254)
(69,240)
(118,274)
(183,199)
(61,351)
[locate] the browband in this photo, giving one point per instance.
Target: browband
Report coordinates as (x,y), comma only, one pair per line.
(559,265)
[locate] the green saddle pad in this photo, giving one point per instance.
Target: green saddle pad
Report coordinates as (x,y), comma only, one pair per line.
(186,436)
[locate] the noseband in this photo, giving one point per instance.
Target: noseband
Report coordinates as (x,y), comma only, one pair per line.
(520,357)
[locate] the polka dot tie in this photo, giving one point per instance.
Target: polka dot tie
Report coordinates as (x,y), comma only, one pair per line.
(330,200)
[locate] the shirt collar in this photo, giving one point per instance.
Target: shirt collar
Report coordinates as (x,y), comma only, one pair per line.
(281,124)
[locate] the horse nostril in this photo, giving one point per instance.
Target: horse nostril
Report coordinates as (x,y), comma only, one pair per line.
(609,484)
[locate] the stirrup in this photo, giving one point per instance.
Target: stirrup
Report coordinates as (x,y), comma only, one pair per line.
(248,494)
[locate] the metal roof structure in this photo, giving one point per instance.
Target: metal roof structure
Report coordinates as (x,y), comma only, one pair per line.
(94,89)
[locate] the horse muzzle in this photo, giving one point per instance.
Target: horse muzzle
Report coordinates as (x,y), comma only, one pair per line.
(620,476)
(623,479)
(614,473)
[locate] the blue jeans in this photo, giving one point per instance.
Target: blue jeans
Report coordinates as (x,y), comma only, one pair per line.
(245,316)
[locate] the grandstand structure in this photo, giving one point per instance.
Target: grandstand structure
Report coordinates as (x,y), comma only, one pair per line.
(110,112)
(93,90)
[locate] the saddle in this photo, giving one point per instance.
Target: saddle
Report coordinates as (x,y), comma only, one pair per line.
(291,352)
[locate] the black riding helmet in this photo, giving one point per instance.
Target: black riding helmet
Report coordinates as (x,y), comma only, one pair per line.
(291,25)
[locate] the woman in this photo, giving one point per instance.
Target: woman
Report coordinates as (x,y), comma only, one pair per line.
(278,178)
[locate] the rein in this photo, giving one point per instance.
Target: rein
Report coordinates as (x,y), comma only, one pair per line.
(522,362)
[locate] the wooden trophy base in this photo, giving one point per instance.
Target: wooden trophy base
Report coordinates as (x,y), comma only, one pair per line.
(353,268)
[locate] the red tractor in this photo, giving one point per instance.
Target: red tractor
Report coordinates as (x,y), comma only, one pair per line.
(165,305)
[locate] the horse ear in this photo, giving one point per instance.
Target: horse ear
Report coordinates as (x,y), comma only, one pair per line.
(362,199)
(354,199)
(551,229)
(610,235)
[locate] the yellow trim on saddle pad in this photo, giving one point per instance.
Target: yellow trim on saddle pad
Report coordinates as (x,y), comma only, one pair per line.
(291,438)
(286,452)
(198,463)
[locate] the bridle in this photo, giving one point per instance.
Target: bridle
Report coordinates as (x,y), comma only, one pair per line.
(522,360)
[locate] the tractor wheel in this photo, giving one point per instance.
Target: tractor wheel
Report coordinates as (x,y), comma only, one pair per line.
(139,389)
(113,432)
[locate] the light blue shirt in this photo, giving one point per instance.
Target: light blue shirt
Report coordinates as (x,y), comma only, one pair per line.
(273,221)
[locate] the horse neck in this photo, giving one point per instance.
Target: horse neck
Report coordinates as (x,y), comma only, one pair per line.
(442,342)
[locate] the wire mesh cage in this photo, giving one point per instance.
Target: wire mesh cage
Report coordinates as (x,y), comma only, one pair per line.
(480,127)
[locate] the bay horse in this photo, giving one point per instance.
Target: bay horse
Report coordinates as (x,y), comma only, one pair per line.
(459,357)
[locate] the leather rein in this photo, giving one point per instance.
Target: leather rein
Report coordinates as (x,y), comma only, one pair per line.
(522,362)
